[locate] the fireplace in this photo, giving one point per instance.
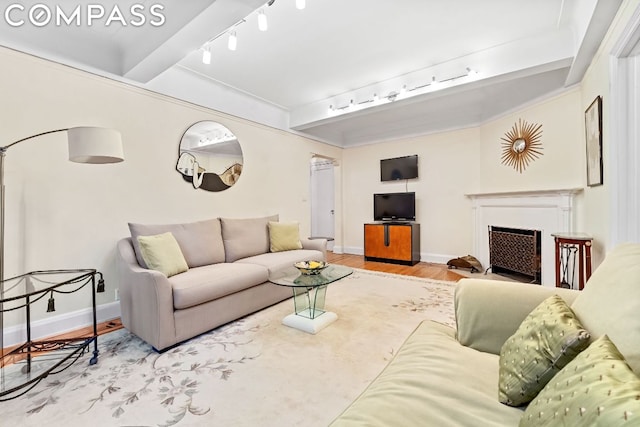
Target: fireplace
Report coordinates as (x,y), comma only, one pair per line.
(550,211)
(515,252)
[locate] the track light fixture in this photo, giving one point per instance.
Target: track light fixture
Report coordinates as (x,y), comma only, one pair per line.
(206,55)
(262,21)
(233,41)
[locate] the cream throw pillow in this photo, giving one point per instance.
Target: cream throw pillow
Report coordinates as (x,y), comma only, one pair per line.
(597,388)
(162,253)
(548,338)
(284,236)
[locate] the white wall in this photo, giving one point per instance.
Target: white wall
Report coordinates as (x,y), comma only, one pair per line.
(66,215)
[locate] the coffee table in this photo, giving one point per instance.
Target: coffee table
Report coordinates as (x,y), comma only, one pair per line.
(309,293)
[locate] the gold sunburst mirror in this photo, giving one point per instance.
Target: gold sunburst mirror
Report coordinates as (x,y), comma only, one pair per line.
(521,145)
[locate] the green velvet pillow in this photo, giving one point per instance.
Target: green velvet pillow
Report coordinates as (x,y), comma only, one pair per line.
(548,338)
(162,253)
(284,236)
(597,388)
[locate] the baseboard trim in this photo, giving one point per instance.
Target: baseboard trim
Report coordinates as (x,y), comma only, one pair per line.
(61,324)
(436,258)
(424,257)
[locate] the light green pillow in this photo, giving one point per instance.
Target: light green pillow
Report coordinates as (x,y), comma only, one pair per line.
(548,338)
(597,388)
(161,252)
(284,236)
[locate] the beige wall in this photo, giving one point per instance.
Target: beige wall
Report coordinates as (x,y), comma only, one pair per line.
(448,167)
(562,162)
(452,164)
(597,82)
(66,215)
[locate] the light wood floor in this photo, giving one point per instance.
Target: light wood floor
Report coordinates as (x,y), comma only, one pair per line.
(422,269)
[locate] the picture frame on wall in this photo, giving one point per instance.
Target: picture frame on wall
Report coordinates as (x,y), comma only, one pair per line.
(593,132)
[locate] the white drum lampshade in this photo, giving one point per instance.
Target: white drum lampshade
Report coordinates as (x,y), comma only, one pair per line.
(95,145)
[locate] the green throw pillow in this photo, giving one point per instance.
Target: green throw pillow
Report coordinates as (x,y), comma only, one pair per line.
(284,236)
(597,388)
(548,338)
(162,253)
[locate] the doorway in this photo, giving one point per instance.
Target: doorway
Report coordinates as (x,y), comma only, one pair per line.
(323,198)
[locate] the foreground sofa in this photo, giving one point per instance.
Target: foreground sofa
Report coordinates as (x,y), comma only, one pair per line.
(443,377)
(228,262)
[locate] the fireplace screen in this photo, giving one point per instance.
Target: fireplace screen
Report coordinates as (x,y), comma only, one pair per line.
(515,250)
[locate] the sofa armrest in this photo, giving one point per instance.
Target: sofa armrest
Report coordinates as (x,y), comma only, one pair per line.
(316,244)
(488,312)
(146,299)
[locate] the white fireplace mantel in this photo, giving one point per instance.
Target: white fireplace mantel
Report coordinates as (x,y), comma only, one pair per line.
(550,211)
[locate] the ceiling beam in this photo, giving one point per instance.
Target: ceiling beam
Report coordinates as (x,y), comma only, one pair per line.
(214,20)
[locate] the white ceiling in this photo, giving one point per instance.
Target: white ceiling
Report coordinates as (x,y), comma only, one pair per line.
(334,52)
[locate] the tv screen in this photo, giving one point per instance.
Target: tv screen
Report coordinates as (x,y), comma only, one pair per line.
(399,168)
(394,207)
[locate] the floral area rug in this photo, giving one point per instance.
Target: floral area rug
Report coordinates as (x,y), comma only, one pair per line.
(251,372)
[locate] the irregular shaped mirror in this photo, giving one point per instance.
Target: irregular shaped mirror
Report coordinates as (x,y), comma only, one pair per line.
(209,157)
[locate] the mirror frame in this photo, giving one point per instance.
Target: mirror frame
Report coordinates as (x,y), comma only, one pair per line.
(516,155)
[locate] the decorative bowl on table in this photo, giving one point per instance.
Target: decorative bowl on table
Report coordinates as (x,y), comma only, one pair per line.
(309,268)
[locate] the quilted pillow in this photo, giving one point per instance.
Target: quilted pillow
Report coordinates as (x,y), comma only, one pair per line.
(597,388)
(548,338)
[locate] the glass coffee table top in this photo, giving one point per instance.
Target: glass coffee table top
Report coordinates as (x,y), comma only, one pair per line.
(291,276)
(309,293)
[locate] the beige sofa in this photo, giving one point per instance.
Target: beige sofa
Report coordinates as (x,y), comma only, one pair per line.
(228,260)
(443,377)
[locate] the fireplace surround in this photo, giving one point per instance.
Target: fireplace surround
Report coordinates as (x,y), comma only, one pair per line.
(549,211)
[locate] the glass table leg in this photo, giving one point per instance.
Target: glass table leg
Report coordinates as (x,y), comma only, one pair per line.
(309,315)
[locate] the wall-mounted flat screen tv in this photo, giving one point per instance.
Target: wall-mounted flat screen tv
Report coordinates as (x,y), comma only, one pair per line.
(394,207)
(399,168)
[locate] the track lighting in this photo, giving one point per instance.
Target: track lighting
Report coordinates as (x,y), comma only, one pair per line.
(404,92)
(233,41)
(262,21)
(300,4)
(206,55)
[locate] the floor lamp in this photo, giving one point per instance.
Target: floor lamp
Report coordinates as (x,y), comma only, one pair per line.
(86,145)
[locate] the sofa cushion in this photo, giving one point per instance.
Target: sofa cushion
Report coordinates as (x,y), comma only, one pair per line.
(162,253)
(433,381)
(200,242)
(209,282)
(610,301)
(548,338)
(284,236)
(275,261)
(245,237)
(596,389)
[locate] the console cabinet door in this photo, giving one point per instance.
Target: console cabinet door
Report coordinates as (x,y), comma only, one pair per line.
(374,241)
(399,242)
